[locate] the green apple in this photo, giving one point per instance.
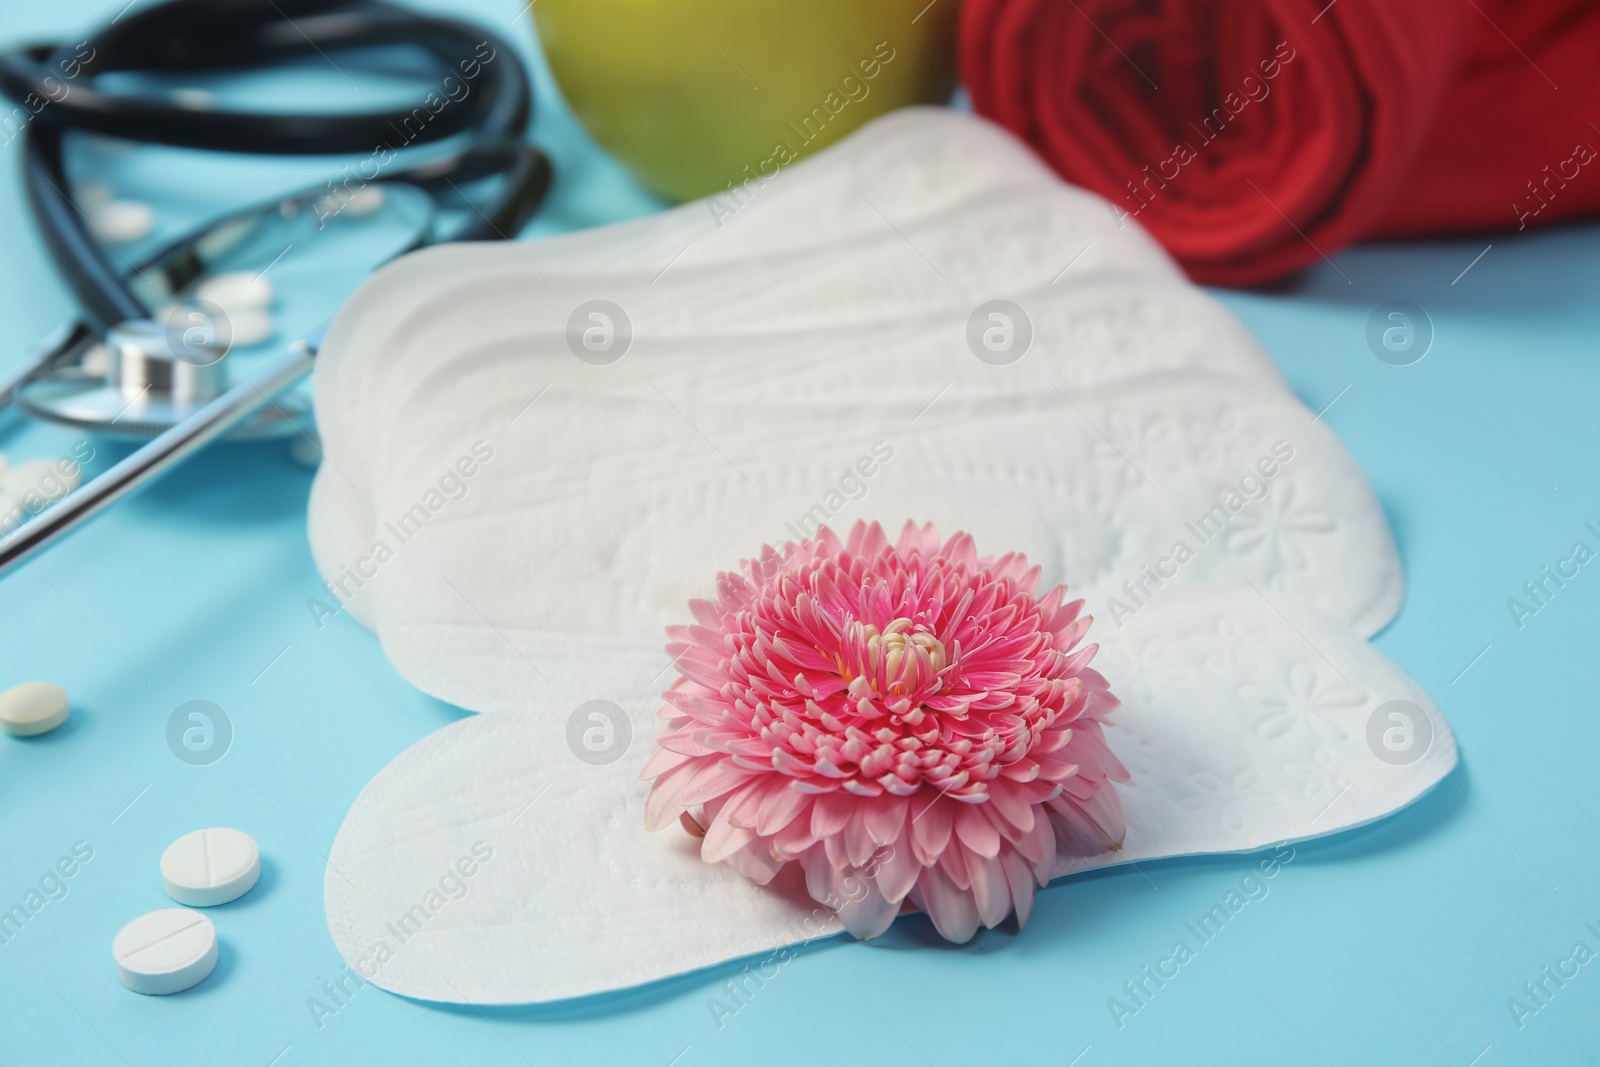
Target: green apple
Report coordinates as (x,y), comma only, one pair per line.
(694,94)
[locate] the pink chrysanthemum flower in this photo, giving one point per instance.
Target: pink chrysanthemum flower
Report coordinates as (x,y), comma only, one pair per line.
(903,720)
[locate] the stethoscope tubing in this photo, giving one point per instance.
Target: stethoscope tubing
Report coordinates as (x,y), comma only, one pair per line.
(187,35)
(193,34)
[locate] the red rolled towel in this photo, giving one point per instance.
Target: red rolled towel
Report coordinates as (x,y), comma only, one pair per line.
(1254,137)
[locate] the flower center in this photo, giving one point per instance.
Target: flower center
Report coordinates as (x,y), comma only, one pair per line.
(902,659)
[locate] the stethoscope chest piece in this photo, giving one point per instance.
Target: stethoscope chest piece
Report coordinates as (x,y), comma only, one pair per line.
(144,378)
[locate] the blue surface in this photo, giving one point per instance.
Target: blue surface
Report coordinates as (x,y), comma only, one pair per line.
(1400,943)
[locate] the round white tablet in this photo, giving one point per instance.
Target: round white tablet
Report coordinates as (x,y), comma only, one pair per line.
(194,99)
(165,951)
(122,221)
(93,194)
(46,480)
(209,867)
(249,326)
(32,708)
(365,200)
(236,291)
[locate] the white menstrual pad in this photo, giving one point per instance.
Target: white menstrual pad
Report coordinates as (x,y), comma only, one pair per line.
(900,298)
(1245,722)
(628,507)
(923,209)
(911,163)
(518,525)
(1087,333)
(1101,328)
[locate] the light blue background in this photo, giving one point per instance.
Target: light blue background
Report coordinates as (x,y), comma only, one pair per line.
(1400,943)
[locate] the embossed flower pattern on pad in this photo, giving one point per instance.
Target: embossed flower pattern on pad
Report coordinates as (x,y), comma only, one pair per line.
(1143,444)
(1318,776)
(1158,662)
(1228,799)
(1277,525)
(1305,698)
(1229,647)
(1220,440)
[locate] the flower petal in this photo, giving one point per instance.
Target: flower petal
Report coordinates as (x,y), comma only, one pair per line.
(952,910)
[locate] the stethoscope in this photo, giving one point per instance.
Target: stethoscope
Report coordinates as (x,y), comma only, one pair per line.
(147,357)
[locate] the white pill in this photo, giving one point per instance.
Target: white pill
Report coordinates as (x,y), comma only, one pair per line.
(122,221)
(94,194)
(194,99)
(37,482)
(249,326)
(210,867)
(32,708)
(365,200)
(236,290)
(165,951)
